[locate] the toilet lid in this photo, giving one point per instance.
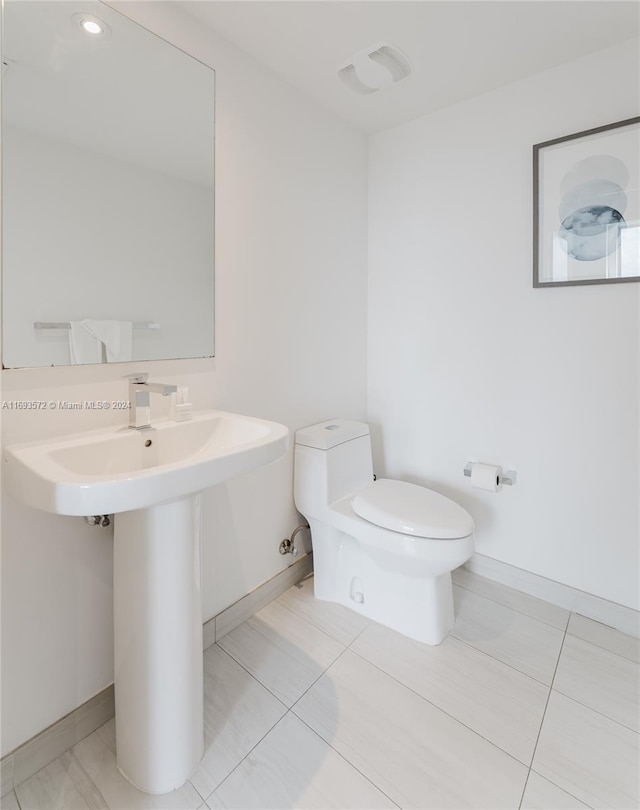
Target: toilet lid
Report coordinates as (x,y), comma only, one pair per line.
(410,509)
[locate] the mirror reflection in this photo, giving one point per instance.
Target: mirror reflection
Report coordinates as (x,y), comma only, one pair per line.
(107,154)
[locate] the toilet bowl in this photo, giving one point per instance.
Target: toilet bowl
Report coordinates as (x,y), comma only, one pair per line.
(383,548)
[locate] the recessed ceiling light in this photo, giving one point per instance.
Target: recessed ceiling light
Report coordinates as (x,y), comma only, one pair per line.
(92,26)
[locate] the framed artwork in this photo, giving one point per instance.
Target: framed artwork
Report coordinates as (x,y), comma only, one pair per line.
(586,207)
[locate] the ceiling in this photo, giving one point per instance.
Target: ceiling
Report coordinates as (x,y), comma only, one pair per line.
(459,48)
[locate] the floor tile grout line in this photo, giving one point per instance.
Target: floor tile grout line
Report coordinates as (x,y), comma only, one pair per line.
(499,660)
(551,782)
(237,765)
(605,649)
(268,639)
(308,621)
(253,677)
(483,652)
(204,799)
(317,626)
(606,626)
(510,607)
(544,713)
(345,759)
(279,720)
(580,702)
(351,643)
(337,658)
(596,711)
(289,711)
(559,607)
(100,793)
(349,646)
(70,751)
(439,708)
(600,647)
(264,686)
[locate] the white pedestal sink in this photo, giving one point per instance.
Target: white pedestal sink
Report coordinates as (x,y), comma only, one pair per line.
(151,480)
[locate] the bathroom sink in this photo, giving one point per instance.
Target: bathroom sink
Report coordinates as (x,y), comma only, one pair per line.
(120,469)
(152,479)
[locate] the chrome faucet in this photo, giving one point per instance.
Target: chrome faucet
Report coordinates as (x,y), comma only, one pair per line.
(139,405)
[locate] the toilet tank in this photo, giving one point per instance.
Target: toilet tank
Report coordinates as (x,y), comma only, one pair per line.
(331,460)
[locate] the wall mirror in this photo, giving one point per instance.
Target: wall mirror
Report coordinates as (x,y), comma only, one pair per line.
(107,153)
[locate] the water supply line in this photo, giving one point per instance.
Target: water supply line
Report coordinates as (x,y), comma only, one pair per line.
(288,545)
(98,520)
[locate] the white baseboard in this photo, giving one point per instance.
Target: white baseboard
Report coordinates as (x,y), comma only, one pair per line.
(53,741)
(586,604)
(62,735)
(228,619)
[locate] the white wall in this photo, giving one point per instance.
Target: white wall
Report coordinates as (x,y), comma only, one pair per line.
(468,361)
(290,346)
(140,249)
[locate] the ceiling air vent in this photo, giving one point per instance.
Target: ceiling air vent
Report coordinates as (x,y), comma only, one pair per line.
(375,68)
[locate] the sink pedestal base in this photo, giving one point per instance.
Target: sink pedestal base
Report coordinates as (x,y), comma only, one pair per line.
(158,644)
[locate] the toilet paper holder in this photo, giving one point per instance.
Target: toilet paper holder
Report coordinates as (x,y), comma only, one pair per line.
(508,477)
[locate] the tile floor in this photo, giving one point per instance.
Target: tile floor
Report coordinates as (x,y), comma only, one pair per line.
(308,705)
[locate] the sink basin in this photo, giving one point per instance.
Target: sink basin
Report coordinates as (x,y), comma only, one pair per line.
(120,469)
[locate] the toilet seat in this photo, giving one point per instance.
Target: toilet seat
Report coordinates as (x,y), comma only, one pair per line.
(412,510)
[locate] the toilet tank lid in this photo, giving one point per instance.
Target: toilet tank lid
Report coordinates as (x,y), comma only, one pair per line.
(413,510)
(331,433)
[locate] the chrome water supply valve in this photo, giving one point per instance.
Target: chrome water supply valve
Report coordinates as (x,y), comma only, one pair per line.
(288,545)
(98,520)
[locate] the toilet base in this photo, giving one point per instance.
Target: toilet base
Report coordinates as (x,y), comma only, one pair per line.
(419,607)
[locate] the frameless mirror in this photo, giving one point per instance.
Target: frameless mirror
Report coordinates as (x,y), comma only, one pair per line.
(107,155)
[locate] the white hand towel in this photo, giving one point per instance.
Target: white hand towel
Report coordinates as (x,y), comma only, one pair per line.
(117,336)
(84,347)
(125,351)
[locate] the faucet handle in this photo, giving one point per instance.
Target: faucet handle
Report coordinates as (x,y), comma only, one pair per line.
(140,377)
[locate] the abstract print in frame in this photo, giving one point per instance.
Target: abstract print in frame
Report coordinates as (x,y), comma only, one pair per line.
(586,207)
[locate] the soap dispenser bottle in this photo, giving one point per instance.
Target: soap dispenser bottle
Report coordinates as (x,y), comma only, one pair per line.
(181,410)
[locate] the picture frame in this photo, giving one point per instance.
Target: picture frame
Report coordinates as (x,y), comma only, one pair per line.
(586,207)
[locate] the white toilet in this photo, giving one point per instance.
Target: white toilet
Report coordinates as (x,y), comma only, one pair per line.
(384,548)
